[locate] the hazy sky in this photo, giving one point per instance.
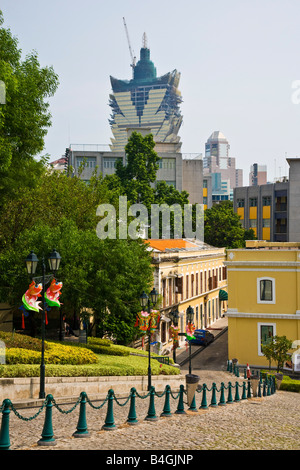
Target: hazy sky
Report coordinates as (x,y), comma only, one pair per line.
(238,60)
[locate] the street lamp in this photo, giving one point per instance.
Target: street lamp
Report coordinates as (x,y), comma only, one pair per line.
(145,302)
(190,318)
(31,265)
(174,317)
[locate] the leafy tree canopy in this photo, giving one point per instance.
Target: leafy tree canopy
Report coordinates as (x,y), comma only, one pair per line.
(24,114)
(222,227)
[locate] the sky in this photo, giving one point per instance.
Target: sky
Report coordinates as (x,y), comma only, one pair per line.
(238,59)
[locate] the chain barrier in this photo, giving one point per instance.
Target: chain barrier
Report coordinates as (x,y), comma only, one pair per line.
(265,387)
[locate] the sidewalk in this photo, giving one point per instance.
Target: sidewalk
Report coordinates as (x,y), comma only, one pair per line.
(217,328)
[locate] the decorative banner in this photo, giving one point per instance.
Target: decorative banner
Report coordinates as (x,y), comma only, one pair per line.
(190,328)
(52,294)
(142,320)
(174,330)
(145,321)
(154,320)
(30,297)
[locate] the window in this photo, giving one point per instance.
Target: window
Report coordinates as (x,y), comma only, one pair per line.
(88,162)
(266,201)
(240,202)
(109,162)
(266,223)
(253,202)
(265,291)
(252,223)
(265,333)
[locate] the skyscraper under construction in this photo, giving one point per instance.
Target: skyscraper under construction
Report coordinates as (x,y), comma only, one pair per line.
(149,105)
(145,101)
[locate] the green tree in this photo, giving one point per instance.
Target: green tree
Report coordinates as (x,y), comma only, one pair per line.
(277,350)
(24,116)
(106,276)
(222,227)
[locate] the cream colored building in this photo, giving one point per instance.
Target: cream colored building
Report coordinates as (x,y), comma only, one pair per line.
(188,272)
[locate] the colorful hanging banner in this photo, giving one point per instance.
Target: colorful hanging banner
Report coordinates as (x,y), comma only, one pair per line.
(52,294)
(190,328)
(146,321)
(30,297)
(174,330)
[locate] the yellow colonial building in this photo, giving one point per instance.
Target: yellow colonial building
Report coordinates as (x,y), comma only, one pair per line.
(188,273)
(263,297)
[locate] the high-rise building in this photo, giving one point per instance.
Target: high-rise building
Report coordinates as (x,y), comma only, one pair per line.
(218,163)
(145,104)
(257,175)
(146,101)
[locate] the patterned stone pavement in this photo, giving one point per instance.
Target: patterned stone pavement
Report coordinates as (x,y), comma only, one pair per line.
(267,423)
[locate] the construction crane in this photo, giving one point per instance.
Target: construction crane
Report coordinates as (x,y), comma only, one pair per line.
(133,58)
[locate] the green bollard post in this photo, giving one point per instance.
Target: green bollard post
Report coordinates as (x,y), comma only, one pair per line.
(167,409)
(265,388)
(4,432)
(109,424)
(193,406)
(180,407)
(229,398)
(259,389)
(237,395)
(82,430)
(249,389)
(151,416)
(273,385)
(203,405)
(47,433)
(213,402)
(222,401)
(132,413)
(268,387)
(244,394)
(227,365)
(245,373)
(237,371)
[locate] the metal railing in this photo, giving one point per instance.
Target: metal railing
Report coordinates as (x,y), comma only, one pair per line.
(228,394)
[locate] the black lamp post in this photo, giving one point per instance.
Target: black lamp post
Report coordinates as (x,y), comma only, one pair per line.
(145,302)
(175,317)
(31,265)
(190,318)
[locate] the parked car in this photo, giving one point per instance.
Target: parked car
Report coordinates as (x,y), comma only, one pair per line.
(202,338)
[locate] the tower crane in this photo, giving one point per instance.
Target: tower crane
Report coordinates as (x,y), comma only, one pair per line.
(133,58)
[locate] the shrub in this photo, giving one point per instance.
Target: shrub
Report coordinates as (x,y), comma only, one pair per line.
(16,340)
(54,354)
(290,385)
(99,341)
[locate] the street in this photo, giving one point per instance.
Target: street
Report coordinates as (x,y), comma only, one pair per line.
(212,357)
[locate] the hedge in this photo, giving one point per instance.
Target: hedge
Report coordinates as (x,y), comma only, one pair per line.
(54,354)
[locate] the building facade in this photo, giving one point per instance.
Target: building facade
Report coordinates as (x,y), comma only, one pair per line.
(263,298)
(257,175)
(272,210)
(264,208)
(221,167)
(188,273)
(145,101)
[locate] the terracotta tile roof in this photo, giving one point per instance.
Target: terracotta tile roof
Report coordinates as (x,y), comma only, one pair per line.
(162,244)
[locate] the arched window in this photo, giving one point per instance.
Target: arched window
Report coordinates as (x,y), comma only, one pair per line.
(266,290)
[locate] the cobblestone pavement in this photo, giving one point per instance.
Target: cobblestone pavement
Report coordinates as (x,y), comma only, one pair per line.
(267,423)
